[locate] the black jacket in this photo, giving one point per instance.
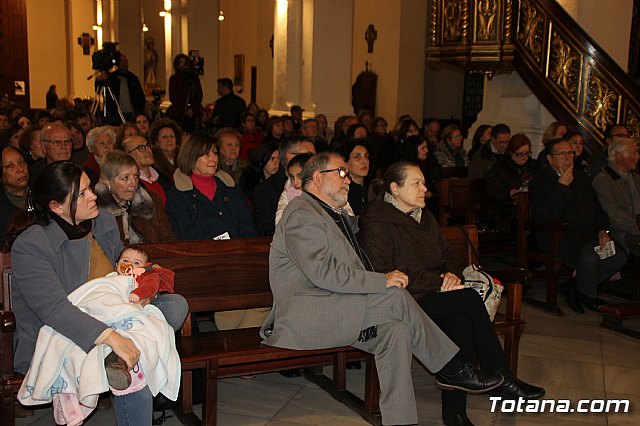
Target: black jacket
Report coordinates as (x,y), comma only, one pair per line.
(136,94)
(575,204)
(265,203)
(228,109)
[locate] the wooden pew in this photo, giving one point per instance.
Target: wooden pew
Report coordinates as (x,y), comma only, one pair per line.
(233,274)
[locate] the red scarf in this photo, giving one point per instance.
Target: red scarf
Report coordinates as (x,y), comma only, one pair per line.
(205,184)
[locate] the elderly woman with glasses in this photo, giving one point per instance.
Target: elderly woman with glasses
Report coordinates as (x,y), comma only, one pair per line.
(100,141)
(139,213)
(510,175)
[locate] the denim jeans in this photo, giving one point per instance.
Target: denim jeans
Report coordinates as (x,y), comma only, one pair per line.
(134,409)
(174,308)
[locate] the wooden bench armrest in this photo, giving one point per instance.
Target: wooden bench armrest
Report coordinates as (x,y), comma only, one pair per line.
(7,322)
(513,275)
(514,301)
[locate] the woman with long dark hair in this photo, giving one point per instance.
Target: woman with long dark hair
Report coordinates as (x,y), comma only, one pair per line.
(66,242)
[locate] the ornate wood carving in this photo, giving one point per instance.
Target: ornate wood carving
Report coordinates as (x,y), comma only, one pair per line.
(487,11)
(564,67)
(601,102)
(452,19)
(531,30)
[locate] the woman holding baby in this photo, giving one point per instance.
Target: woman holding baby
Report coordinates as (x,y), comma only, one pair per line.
(67,241)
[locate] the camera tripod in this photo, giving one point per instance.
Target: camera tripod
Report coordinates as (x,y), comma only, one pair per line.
(100,99)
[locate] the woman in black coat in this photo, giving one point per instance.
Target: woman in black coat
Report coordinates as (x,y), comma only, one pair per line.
(397,232)
(510,175)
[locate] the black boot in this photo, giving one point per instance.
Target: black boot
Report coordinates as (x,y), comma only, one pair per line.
(456,420)
(514,388)
(468,380)
(570,289)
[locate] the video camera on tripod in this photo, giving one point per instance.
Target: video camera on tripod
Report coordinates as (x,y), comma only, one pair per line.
(105,60)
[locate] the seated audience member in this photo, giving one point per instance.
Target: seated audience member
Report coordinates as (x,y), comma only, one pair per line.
(56,142)
(487,155)
(274,130)
(366,117)
(481,136)
(449,152)
(555,130)
(124,131)
(293,187)
(356,155)
(287,123)
(14,187)
(340,128)
(24,122)
(311,132)
(5,121)
(228,146)
(611,133)
(86,120)
(415,150)
(324,131)
(42,117)
(381,145)
(432,132)
(163,136)
(326,294)
(139,213)
(11,136)
(618,190)
(51,254)
(582,160)
(100,141)
(559,191)
(267,194)
(200,205)
(79,150)
(262,117)
(140,150)
(511,174)
(265,163)
(142,123)
(296,117)
(31,145)
(397,233)
(251,135)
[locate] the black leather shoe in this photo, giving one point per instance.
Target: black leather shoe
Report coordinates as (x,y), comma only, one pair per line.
(456,420)
(571,294)
(468,380)
(514,388)
(592,303)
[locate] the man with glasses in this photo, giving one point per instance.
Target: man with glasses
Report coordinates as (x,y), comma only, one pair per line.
(487,156)
(56,143)
(326,294)
(138,147)
(559,191)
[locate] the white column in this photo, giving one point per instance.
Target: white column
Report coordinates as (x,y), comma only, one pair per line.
(280,52)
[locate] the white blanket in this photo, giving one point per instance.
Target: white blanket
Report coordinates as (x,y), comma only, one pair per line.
(60,367)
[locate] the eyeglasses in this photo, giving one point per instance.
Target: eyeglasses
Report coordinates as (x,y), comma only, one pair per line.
(620,135)
(522,154)
(58,143)
(141,148)
(565,154)
(342,172)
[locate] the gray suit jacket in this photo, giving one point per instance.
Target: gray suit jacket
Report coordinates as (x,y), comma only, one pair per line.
(319,284)
(615,198)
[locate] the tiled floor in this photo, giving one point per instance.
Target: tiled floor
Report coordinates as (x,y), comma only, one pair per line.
(570,356)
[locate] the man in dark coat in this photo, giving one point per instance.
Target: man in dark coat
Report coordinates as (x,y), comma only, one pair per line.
(560,192)
(229,106)
(127,90)
(487,156)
